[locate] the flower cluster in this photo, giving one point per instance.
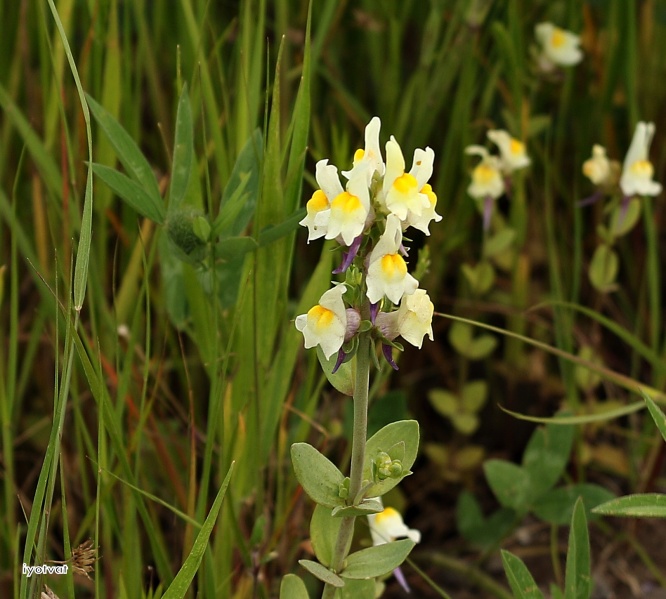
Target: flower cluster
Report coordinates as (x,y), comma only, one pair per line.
(367,215)
(491,176)
(637,173)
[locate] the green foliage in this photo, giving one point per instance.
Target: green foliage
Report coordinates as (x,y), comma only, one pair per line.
(529,487)
(318,476)
(185,575)
(519,577)
(462,410)
(322,573)
(400,440)
(473,348)
(578,577)
(376,561)
(604,268)
(292,587)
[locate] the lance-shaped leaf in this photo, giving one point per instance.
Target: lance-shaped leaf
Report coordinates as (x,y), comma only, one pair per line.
(577,578)
(183,152)
(377,561)
(130,191)
(642,505)
(322,573)
(128,153)
(520,580)
(318,476)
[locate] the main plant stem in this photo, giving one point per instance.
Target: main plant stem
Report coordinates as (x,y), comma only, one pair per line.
(359,438)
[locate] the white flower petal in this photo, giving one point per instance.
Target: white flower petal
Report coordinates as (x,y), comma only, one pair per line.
(598,169)
(328,180)
(387,270)
(415,318)
(558,46)
(512,150)
(326,323)
(388,525)
(487,180)
(638,171)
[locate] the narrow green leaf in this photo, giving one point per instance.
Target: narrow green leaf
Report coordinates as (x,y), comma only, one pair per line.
(183,579)
(274,232)
(377,561)
(318,476)
(44,160)
(183,152)
(239,199)
(322,573)
(642,505)
(127,151)
(130,191)
(232,248)
(657,414)
(292,587)
(83,250)
(577,578)
(520,580)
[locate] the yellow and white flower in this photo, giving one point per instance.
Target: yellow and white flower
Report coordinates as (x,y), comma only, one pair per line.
(319,205)
(326,323)
(387,270)
(512,150)
(422,171)
(350,210)
(558,47)
(388,525)
(370,158)
(598,168)
(638,171)
(412,320)
(401,192)
(415,318)
(487,180)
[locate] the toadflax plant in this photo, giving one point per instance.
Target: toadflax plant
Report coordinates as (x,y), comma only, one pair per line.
(377,303)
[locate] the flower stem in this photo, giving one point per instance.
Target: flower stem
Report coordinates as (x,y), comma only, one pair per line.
(359,439)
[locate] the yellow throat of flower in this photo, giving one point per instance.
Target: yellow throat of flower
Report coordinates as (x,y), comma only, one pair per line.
(388,512)
(558,38)
(346,202)
(516,147)
(393,266)
(405,183)
(317,202)
(320,317)
(642,169)
(484,174)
